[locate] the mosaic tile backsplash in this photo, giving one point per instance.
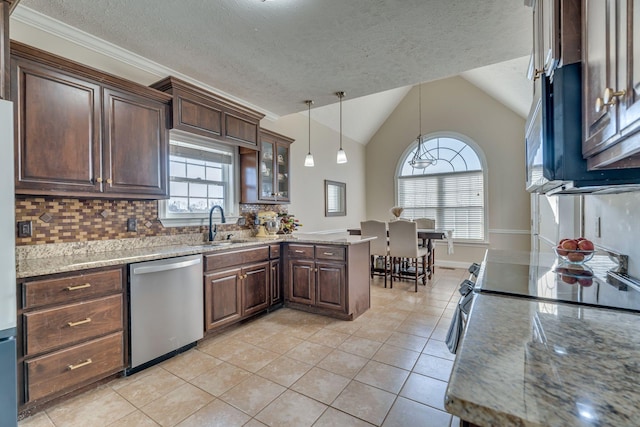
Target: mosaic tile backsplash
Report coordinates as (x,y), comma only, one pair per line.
(61,220)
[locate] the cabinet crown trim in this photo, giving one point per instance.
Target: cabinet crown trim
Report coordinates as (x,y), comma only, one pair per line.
(171,83)
(24,51)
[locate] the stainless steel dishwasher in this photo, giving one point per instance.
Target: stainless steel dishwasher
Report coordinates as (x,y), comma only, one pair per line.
(166,309)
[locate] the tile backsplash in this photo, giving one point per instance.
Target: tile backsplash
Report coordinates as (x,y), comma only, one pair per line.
(62,220)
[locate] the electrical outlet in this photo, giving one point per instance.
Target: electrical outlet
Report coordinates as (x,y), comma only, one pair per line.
(598,227)
(24,229)
(132,224)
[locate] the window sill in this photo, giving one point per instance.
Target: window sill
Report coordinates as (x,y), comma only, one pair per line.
(194,222)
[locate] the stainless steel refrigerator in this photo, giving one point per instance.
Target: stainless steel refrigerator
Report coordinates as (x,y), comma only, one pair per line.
(8,388)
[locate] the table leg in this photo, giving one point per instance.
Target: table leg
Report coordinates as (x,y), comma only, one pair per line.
(431,257)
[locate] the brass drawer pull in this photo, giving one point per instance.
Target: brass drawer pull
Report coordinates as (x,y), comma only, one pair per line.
(299,251)
(75,288)
(79,365)
(328,253)
(80,322)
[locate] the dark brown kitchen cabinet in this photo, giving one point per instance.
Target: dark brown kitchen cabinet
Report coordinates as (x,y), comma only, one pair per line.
(197,111)
(327,278)
(237,285)
(223,298)
(265,174)
(611,84)
(82,133)
(71,332)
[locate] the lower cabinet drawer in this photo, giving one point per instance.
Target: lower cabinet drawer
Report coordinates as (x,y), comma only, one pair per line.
(53,328)
(335,253)
(300,251)
(73,367)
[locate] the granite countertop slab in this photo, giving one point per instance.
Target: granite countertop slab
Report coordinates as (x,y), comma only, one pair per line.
(73,257)
(530,363)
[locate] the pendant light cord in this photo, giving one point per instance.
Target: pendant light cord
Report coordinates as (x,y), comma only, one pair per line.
(420,112)
(309,104)
(341,95)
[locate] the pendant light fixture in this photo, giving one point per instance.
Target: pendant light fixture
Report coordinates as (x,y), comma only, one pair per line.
(308,161)
(342,156)
(422,157)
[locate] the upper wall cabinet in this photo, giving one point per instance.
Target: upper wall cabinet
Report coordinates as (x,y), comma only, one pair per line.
(83,133)
(265,174)
(611,83)
(556,35)
(203,113)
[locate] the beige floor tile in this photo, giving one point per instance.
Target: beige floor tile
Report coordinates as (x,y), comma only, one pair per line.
(416,328)
(254,423)
(328,337)
(177,405)
(227,349)
(253,334)
(216,414)
(321,385)
(309,352)
(434,367)
(410,342)
(396,356)
(253,394)
(436,303)
(253,360)
(304,331)
(409,413)
(38,420)
(221,379)
(365,402)
(347,327)
(280,343)
(440,333)
(120,382)
(425,390)
(343,363)
(374,333)
(360,346)
(135,419)
(334,418)
(150,387)
(291,409)
(190,364)
(284,370)
(438,348)
(99,407)
(383,376)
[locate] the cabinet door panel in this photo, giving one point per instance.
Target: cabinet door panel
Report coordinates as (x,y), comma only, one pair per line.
(222,294)
(331,286)
(276,286)
(599,47)
(302,281)
(629,77)
(57,130)
(198,118)
(136,149)
(241,130)
(255,288)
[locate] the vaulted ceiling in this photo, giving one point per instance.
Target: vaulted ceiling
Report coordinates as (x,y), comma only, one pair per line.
(275,54)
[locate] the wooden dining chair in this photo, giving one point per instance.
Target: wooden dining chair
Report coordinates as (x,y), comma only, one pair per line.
(405,252)
(379,246)
(425,223)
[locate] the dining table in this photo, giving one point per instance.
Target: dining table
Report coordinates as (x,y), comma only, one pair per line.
(424,234)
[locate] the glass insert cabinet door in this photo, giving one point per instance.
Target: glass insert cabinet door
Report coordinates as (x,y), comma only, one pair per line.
(282,177)
(267,170)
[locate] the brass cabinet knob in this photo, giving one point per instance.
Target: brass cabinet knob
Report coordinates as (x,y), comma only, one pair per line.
(599,104)
(109,181)
(610,95)
(537,74)
(98,180)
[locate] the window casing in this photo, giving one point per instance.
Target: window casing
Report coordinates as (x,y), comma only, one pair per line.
(201,174)
(451,191)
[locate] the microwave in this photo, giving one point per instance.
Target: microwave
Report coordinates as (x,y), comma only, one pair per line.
(553,138)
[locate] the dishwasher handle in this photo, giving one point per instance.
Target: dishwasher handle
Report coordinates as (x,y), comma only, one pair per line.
(166,267)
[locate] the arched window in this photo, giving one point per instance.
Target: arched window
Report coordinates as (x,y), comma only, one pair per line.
(451,190)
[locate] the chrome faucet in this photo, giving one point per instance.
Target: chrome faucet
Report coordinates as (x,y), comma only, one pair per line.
(213,228)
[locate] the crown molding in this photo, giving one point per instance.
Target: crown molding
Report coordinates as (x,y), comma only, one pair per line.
(64,31)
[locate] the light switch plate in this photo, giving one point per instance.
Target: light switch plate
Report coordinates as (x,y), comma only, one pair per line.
(24,229)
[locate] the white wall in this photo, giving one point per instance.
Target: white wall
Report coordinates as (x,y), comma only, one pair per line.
(307,184)
(455,105)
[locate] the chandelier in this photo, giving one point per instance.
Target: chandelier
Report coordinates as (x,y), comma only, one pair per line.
(422,158)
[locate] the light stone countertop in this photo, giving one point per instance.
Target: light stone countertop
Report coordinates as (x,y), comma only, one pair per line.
(529,363)
(50,259)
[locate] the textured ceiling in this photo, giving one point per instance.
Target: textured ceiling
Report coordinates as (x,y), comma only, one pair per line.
(278,53)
